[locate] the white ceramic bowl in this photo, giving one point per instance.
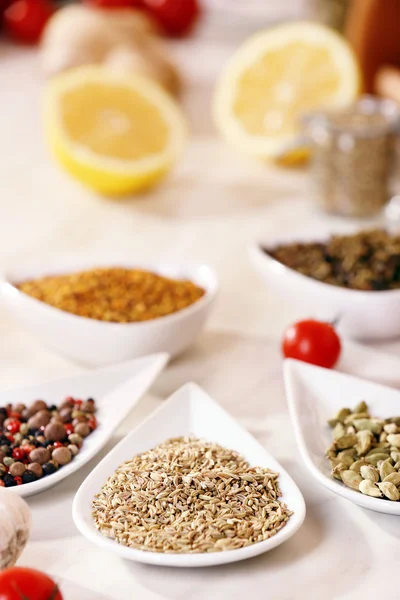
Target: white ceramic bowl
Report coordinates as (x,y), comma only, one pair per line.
(314,395)
(190,411)
(362,315)
(97,343)
(116,389)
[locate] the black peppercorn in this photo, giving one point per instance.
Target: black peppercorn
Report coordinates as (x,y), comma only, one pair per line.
(48,468)
(9,480)
(29,476)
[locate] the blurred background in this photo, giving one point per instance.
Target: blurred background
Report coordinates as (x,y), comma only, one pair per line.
(244,171)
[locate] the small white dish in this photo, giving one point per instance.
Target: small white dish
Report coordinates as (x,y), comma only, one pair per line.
(314,395)
(98,343)
(116,390)
(190,411)
(362,315)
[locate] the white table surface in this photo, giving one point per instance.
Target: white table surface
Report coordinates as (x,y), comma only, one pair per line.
(207,211)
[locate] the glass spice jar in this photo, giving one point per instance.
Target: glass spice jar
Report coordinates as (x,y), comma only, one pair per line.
(353,156)
(329,12)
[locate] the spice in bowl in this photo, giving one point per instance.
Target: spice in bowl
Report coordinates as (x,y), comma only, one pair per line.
(188,495)
(116,295)
(367,261)
(365,452)
(37,440)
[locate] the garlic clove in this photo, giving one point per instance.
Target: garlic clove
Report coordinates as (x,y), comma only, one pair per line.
(15,527)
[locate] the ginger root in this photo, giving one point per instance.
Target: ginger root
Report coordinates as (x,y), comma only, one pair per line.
(122,40)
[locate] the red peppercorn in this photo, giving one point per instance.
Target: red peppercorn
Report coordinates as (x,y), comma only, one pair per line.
(2,484)
(18,480)
(27,448)
(77,404)
(10,437)
(18,453)
(58,445)
(14,415)
(69,399)
(69,428)
(92,422)
(13,426)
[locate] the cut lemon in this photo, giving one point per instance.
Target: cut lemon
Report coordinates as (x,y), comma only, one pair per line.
(275,77)
(118,135)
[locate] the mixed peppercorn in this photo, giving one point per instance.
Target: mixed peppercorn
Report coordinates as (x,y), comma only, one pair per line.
(37,440)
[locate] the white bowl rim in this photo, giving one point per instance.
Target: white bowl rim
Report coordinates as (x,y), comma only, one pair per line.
(186,559)
(257,253)
(377,504)
(211,289)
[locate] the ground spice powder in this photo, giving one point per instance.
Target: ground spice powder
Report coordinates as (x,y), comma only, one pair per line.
(116,295)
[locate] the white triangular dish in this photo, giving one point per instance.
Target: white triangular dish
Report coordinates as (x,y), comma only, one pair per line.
(189,411)
(314,395)
(116,390)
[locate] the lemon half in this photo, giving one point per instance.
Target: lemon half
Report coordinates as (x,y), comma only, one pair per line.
(116,134)
(276,76)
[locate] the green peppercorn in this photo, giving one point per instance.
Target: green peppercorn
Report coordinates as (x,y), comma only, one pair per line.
(75,438)
(24,428)
(18,438)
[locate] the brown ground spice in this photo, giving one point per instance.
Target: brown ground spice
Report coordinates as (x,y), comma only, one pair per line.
(369,260)
(114,294)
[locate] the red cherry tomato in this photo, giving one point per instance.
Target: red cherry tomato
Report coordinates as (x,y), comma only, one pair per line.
(176,17)
(25,20)
(312,342)
(18,582)
(114,3)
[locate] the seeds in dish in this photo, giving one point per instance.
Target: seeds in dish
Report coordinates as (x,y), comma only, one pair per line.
(369,260)
(116,295)
(188,495)
(37,440)
(365,453)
